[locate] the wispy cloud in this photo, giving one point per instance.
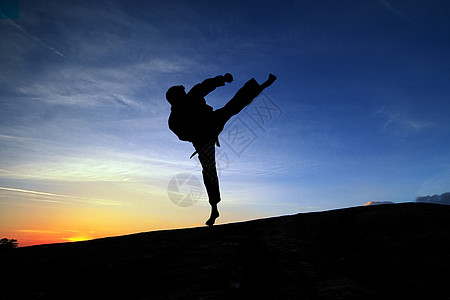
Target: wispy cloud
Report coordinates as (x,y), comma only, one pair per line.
(400,122)
(398,119)
(34,38)
(39,231)
(14,138)
(63,198)
(395,10)
(32,192)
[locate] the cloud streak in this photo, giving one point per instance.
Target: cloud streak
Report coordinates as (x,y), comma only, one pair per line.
(91,201)
(35,39)
(395,11)
(400,122)
(32,192)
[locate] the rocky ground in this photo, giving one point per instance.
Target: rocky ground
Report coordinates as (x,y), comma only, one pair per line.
(396,251)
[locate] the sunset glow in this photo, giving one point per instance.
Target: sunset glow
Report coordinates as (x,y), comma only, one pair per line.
(359,113)
(77,239)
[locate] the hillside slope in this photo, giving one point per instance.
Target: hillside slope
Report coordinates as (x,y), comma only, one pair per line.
(355,253)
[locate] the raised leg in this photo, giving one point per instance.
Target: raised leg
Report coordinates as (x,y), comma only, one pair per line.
(206,151)
(245,96)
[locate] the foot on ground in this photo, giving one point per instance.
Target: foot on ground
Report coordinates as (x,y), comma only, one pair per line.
(213,217)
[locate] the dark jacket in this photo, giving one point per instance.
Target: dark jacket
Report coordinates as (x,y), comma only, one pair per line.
(191,119)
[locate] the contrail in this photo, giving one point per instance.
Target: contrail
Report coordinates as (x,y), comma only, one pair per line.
(91,201)
(32,192)
(394,10)
(20,28)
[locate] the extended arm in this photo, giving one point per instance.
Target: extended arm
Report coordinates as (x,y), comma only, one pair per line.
(210,84)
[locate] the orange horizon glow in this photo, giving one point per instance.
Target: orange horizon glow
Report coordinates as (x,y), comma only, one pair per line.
(51,235)
(26,238)
(32,222)
(36,217)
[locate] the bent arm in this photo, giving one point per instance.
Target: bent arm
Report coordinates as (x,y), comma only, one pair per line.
(210,84)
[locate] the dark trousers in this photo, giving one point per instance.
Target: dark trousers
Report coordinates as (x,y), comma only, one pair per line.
(205,145)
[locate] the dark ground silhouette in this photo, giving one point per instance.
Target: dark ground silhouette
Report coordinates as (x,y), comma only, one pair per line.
(396,251)
(8,244)
(192,120)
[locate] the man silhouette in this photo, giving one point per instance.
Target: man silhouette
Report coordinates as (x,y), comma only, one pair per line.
(191,119)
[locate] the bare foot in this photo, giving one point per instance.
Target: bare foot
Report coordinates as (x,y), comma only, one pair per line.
(214,215)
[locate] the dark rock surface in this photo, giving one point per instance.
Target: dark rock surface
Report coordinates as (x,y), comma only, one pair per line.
(396,251)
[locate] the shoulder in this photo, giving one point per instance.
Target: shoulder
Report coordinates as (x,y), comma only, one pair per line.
(195,90)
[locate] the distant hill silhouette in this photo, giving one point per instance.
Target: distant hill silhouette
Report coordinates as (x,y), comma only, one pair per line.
(396,251)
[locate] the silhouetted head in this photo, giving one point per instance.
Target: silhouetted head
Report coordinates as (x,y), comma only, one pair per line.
(175,94)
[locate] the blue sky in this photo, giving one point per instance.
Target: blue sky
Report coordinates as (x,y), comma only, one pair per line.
(362,94)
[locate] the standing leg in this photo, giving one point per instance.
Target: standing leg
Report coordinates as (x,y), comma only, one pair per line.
(206,155)
(206,150)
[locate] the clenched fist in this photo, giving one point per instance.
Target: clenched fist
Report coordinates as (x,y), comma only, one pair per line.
(228,78)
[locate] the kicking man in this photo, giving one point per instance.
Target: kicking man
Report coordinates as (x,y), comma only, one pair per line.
(191,119)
